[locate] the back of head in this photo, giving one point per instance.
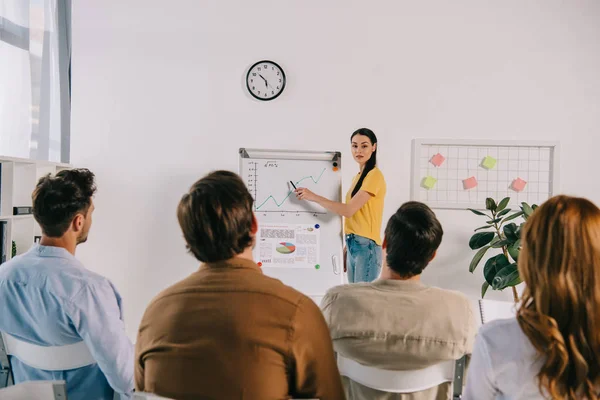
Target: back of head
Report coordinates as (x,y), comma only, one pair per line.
(560,309)
(216,217)
(412,236)
(58,199)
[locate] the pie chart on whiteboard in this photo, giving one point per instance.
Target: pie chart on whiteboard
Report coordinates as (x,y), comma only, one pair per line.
(286,248)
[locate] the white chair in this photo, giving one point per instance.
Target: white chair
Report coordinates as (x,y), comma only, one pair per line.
(49,358)
(35,390)
(148,396)
(404,381)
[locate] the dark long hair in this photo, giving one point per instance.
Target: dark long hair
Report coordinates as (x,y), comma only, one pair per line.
(372,161)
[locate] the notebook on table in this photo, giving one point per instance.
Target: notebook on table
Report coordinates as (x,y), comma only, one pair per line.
(490,310)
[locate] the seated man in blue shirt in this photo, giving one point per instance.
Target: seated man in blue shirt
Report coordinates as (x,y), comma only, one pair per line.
(48,298)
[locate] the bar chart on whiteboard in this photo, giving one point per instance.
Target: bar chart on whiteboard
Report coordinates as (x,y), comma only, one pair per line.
(298,241)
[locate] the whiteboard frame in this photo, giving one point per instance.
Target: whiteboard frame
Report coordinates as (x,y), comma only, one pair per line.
(415,167)
(333,156)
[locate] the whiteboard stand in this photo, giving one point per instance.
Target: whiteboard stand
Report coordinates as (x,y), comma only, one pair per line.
(298,242)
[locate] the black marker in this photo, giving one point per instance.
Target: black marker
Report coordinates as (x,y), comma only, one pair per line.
(294,186)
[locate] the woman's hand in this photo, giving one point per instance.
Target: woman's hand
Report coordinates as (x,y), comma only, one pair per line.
(305,194)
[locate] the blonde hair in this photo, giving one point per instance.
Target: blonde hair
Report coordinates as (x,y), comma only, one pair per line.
(560,307)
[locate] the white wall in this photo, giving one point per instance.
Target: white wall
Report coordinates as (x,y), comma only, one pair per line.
(158,101)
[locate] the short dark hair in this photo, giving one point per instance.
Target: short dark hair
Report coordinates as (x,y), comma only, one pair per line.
(57,199)
(216,217)
(413,234)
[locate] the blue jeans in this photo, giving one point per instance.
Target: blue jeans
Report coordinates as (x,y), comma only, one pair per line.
(363,259)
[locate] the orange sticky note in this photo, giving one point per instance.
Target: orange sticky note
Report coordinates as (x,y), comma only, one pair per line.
(437,160)
(469,183)
(518,185)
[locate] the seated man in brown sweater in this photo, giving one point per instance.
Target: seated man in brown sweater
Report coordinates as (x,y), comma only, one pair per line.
(228,331)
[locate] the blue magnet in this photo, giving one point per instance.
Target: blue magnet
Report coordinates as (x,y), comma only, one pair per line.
(317,226)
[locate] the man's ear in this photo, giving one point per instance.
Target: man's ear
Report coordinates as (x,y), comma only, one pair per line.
(384,244)
(78,222)
(433,256)
(254,227)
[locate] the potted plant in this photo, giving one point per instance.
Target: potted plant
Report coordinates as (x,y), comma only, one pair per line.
(500,271)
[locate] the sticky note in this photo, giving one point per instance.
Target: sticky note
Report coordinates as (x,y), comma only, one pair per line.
(437,160)
(488,162)
(428,182)
(518,185)
(469,183)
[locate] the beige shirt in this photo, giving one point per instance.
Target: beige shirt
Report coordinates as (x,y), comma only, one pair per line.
(398,325)
(230,332)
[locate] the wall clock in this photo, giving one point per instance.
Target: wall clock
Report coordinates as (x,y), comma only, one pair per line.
(265,80)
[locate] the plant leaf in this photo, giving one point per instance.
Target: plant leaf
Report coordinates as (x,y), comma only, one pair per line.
(484,289)
(478,256)
(526,209)
(513,216)
(478,212)
(514,249)
(534,206)
(503,212)
(503,203)
(483,227)
(515,281)
(480,239)
(505,276)
(493,266)
(490,204)
(501,243)
(510,231)
(494,221)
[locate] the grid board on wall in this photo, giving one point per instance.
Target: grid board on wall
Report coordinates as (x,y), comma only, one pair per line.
(523,171)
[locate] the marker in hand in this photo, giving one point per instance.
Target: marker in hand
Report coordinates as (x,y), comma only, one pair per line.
(294,186)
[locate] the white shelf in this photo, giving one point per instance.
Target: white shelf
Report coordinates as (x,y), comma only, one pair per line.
(40,163)
(18,179)
(13,217)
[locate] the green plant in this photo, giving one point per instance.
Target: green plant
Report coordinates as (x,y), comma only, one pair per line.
(499,271)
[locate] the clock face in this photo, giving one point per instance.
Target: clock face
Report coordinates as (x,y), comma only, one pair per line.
(265,80)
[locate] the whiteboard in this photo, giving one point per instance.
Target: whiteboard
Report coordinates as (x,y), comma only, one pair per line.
(298,242)
(469,171)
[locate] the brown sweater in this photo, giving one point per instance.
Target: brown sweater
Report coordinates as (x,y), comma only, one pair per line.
(230,332)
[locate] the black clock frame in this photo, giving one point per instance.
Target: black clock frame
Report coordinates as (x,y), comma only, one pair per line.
(283,80)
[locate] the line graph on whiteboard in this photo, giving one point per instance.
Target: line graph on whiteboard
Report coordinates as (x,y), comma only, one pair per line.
(269,183)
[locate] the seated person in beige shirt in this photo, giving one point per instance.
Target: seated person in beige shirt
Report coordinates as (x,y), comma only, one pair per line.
(227,331)
(397,322)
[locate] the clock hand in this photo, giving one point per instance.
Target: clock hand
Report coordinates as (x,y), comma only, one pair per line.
(266,84)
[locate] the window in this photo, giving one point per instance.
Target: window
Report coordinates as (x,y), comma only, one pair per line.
(35,61)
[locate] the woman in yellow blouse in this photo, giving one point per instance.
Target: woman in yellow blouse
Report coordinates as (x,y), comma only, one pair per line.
(363,210)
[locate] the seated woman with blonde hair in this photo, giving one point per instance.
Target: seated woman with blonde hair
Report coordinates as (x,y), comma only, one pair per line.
(552,349)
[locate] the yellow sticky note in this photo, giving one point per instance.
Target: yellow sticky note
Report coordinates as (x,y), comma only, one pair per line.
(488,162)
(428,182)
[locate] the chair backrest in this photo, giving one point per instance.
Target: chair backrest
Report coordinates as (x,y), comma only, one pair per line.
(49,358)
(148,396)
(397,381)
(35,390)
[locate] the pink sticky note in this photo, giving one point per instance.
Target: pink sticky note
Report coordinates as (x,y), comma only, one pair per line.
(518,185)
(437,160)
(469,183)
